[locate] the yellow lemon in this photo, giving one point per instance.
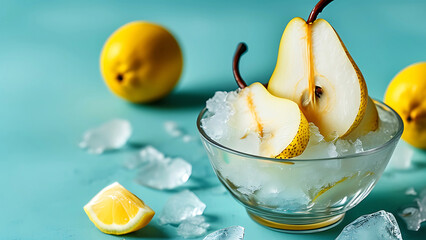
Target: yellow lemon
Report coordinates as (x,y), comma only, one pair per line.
(406,94)
(141,62)
(115,210)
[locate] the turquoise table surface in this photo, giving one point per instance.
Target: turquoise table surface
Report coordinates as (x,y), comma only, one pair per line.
(51,92)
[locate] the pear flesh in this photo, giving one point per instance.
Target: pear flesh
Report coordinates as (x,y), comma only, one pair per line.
(369,122)
(311,57)
(275,127)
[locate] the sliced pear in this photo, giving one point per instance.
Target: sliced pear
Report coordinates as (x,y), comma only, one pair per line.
(369,122)
(270,126)
(315,70)
(279,125)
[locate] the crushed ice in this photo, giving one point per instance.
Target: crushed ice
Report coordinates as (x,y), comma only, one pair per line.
(411,191)
(193,227)
(317,146)
(229,233)
(414,216)
(180,207)
(158,171)
(220,109)
(378,225)
(110,135)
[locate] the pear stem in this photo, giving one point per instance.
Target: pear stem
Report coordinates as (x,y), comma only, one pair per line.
(241,49)
(317,9)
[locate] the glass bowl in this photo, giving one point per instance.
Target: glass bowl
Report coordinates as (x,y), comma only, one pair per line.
(303,195)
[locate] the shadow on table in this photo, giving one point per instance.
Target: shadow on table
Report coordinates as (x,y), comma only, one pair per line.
(419,159)
(211,218)
(199,183)
(150,231)
(136,145)
(180,100)
(190,97)
(185,99)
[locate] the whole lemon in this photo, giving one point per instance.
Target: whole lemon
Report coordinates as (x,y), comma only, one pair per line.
(141,62)
(407,95)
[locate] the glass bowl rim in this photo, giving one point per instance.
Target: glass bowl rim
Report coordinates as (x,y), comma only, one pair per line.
(349,156)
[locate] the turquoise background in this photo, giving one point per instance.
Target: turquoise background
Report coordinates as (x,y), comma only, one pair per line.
(51,92)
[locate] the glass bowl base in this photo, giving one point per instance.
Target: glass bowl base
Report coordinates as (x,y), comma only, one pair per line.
(317,226)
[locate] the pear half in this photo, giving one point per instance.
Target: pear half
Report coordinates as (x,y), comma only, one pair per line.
(369,122)
(279,126)
(315,70)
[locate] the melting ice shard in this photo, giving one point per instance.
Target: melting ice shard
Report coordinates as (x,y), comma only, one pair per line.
(161,172)
(229,233)
(378,225)
(181,206)
(110,135)
(414,216)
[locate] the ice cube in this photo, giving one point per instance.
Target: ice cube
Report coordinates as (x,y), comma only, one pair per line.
(181,206)
(161,172)
(345,147)
(378,225)
(193,227)
(402,155)
(145,155)
(229,233)
(411,191)
(149,154)
(172,129)
(358,146)
(110,135)
(414,216)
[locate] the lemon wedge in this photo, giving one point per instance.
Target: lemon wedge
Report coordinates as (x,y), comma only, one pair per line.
(115,210)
